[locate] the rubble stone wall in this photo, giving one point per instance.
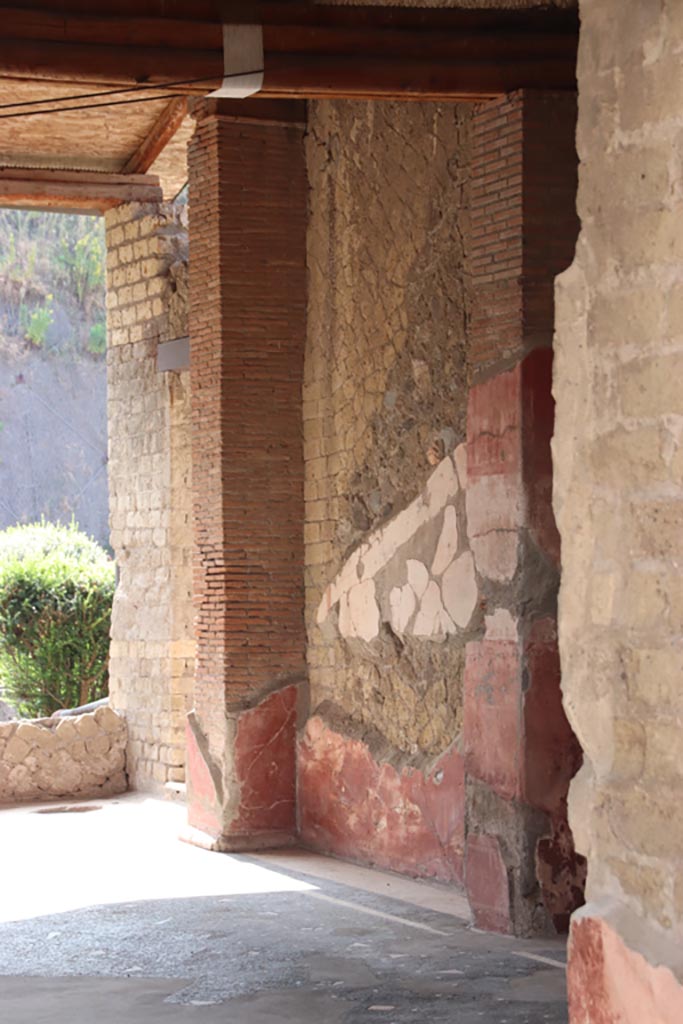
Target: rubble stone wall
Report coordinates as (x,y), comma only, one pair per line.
(152,648)
(52,758)
(385,398)
(618,455)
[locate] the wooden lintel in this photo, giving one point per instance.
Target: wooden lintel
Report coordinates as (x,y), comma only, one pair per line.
(253,110)
(161,134)
(350,51)
(85,192)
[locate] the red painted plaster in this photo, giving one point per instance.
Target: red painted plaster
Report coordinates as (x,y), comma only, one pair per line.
(552,754)
(355,807)
(487,884)
(494,422)
(493,715)
(608,983)
(539,421)
(265,765)
(203,803)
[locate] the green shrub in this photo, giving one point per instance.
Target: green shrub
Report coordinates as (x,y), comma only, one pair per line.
(97,338)
(37,322)
(56,592)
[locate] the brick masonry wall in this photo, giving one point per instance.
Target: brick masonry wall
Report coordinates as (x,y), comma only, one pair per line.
(248,296)
(618,453)
(152,648)
(521,870)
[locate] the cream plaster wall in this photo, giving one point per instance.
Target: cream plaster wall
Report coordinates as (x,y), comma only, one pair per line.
(618,455)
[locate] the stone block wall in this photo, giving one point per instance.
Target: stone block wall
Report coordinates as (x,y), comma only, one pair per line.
(52,758)
(152,648)
(385,397)
(618,455)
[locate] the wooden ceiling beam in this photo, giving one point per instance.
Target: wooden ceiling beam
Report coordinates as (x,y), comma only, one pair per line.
(507,40)
(311,50)
(76,191)
(288,75)
(161,134)
(306,14)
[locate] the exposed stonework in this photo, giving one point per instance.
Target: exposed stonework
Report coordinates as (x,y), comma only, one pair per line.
(49,758)
(618,454)
(391,594)
(385,379)
(152,649)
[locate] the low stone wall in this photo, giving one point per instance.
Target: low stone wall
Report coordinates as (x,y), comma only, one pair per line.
(49,758)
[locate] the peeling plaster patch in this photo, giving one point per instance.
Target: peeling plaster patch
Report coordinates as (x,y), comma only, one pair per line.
(418,577)
(448,542)
(459,588)
(374,555)
(460,459)
(359,614)
(407,591)
(441,486)
(500,625)
(496,554)
(432,618)
(402,602)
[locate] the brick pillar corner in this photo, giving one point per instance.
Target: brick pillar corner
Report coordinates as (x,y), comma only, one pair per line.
(522,874)
(247,326)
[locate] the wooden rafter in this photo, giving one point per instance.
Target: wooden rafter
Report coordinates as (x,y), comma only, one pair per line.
(78,191)
(161,134)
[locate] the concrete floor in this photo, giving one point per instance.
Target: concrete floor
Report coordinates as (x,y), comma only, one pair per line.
(105,917)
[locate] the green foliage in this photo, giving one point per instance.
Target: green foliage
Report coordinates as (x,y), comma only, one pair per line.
(56,592)
(51,254)
(81,263)
(97,340)
(36,322)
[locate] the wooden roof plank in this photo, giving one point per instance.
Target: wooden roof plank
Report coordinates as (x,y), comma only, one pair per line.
(161,134)
(73,190)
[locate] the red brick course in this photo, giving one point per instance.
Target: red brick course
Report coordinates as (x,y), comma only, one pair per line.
(247,325)
(523,221)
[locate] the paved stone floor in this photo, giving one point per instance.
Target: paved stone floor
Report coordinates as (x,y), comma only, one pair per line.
(105,917)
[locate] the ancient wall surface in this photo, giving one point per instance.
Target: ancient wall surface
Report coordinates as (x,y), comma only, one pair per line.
(247,328)
(385,398)
(152,649)
(618,454)
(49,758)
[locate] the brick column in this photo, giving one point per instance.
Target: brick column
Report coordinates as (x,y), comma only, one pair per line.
(247,325)
(522,874)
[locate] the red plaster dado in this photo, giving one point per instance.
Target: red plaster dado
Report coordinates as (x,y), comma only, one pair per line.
(552,754)
(252,791)
(492,715)
(265,765)
(203,800)
(608,983)
(354,807)
(488,888)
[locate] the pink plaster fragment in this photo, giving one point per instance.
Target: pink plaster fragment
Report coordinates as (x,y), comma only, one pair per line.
(608,983)
(265,764)
(355,807)
(493,715)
